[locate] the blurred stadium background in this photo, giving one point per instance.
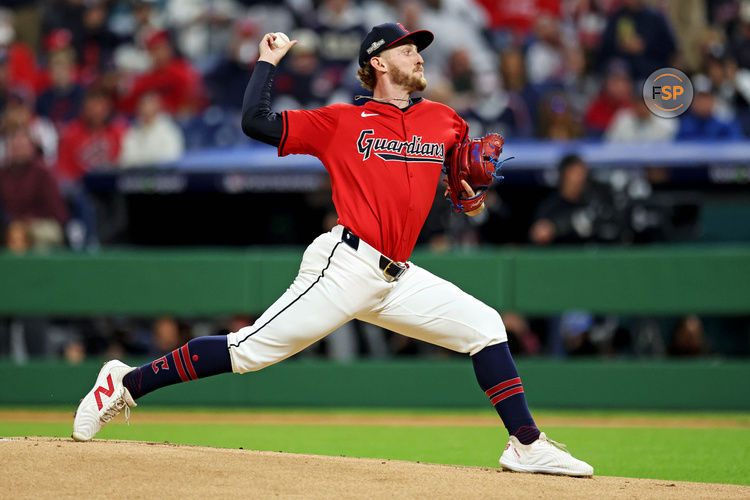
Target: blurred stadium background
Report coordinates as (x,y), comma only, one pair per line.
(136,215)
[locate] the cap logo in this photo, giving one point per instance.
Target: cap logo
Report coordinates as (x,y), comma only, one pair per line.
(402,27)
(375,45)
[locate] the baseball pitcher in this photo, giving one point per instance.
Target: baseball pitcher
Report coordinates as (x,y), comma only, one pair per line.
(385,159)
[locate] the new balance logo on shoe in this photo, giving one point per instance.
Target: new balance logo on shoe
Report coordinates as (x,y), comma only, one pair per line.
(101,390)
(106,399)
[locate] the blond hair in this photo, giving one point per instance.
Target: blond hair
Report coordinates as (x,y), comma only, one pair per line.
(366,76)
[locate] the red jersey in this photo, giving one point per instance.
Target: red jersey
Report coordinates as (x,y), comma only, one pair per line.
(82,148)
(602,110)
(519,15)
(384,163)
(178,85)
(22,68)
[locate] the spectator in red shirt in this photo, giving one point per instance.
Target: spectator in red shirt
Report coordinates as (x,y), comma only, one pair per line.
(22,68)
(172,77)
(518,16)
(616,94)
(93,140)
(29,194)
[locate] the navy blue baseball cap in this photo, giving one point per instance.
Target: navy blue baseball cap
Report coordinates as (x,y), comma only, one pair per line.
(386,35)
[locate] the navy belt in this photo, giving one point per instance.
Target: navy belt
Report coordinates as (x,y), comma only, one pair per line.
(391,269)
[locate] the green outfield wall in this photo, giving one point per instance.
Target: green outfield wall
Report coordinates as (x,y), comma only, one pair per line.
(618,384)
(668,280)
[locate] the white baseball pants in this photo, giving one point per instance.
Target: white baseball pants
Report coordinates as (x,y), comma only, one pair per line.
(336,284)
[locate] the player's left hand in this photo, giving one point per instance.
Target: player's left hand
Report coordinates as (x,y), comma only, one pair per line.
(465,194)
(470,167)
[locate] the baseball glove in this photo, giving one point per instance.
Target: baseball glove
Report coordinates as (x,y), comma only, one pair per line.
(477,161)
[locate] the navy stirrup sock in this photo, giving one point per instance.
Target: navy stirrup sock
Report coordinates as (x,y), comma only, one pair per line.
(201,357)
(498,378)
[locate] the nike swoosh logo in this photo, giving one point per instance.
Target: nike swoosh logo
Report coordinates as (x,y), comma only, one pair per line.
(365,115)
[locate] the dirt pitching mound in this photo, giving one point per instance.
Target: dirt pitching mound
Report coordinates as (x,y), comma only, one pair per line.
(43,467)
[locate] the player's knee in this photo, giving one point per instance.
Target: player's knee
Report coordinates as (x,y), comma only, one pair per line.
(490,331)
(491,322)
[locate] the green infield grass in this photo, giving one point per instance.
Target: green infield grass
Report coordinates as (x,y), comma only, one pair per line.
(719,454)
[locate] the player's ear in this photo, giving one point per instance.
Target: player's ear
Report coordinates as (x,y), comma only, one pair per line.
(378,63)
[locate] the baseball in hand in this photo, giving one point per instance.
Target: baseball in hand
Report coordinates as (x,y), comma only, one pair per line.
(281,40)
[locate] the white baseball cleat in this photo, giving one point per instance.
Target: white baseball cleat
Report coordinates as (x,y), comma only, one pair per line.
(108,398)
(542,456)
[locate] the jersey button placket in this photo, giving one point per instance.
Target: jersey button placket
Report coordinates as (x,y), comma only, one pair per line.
(409,168)
(409,178)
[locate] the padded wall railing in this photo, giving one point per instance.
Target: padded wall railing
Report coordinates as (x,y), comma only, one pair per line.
(666,280)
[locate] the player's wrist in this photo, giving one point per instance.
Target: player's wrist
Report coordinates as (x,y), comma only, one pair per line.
(269,59)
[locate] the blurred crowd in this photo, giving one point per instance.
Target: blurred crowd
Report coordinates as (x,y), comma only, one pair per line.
(89,84)
(574,334)
(103,84)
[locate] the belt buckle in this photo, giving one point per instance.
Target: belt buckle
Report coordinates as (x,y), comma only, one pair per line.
(401,269)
